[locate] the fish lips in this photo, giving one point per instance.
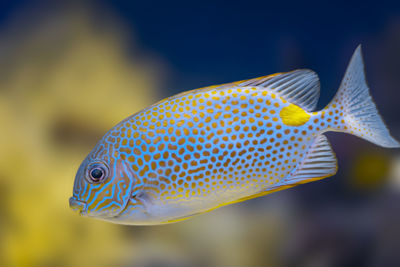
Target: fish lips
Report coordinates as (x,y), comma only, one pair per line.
(78,206)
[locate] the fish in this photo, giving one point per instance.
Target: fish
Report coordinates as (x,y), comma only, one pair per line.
(210,147)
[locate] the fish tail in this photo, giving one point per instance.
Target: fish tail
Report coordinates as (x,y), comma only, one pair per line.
(353,111)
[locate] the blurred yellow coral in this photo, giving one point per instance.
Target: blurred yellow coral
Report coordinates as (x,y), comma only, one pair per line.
(64,83)
(370,170)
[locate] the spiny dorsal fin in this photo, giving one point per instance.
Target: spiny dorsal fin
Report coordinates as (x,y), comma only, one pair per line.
(300,87)
(320,162)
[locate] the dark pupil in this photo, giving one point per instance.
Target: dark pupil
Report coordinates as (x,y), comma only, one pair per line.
(96,173)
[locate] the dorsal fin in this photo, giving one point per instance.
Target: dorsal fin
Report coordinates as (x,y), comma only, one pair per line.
(300,87)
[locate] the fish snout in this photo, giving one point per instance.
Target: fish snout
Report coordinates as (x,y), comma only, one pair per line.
(77,205)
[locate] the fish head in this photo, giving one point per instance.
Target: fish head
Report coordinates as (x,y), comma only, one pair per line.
(103,183)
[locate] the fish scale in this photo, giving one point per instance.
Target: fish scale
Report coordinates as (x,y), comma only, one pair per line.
(213,146)
(225,137)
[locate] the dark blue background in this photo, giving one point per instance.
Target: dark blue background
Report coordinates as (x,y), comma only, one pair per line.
(209,42)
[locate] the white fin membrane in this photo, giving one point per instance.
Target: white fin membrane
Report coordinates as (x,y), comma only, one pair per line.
(319,162)
(300,87)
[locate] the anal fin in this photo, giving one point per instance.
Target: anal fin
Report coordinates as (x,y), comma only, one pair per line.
(319,162)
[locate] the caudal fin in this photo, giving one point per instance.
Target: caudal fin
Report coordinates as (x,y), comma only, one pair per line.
(359,114)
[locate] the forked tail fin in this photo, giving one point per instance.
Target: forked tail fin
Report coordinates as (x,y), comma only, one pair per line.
(359,114)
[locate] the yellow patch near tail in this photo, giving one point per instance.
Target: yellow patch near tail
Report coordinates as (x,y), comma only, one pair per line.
(293,115)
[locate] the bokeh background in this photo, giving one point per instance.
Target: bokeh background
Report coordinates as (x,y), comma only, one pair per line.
(70,70)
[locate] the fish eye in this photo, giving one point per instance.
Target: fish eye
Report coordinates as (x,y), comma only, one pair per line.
(97,173)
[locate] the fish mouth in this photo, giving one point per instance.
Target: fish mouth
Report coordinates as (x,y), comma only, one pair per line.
(77,205)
